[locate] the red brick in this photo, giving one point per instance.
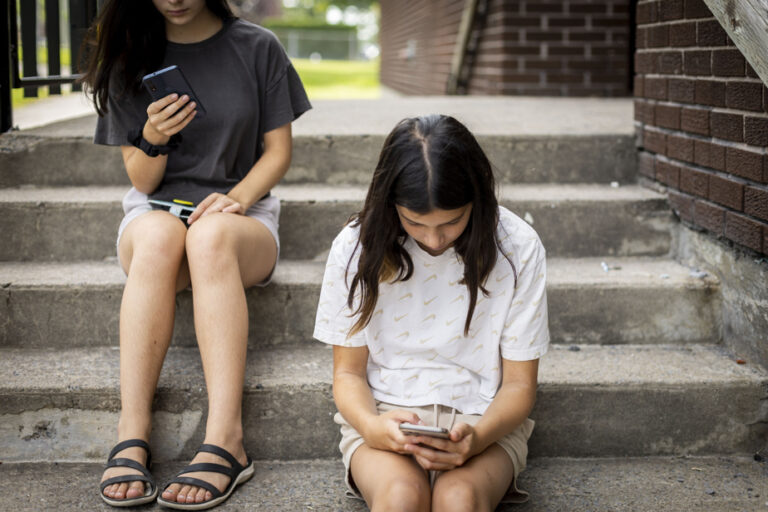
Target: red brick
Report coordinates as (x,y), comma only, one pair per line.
(681,205)
(670,63)
(655,141)
(756,131)
(638,88)
(586,7)
(756,202)
(695,120)
(726,192)
(644,112)
(670,10)
(645,62)
(747,164)
(570,21)
(668,116)
(680,147)
(710,92)
(694,182)
(765,98)
(556,50)
(658,36)
(697,62)
(708,154)
(728,63)
(523,21)
(681,90)
(565,78)
(744,95)
(709,216)
(765,239)
(544,35)
(696,9)
(711,33)
(727,126)
(646,164)
(751,73)
(525,78)
(647,13)
(532,7)
(609,22)
(745,231)
(682,34)
(538,63)
(668,173)
(656,88)
(588,36)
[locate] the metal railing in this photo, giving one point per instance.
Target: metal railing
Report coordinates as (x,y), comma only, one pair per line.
(81,13)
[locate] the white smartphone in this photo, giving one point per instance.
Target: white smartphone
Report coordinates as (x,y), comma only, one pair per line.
(410,429)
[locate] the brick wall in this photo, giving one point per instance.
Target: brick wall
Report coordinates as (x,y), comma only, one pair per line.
(702,121)
(527,47)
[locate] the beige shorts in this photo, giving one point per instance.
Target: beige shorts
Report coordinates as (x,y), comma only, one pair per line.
(266,211)
(515,443)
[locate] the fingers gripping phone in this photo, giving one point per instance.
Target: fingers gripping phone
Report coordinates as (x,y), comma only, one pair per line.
(168,81)
(410,429)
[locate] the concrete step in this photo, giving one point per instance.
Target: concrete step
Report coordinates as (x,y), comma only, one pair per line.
(80,223)
(530,140)
(661,484)
(642,300)
(595,401)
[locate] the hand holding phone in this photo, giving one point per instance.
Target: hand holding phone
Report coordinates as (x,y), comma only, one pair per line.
(410,429)
(171,80)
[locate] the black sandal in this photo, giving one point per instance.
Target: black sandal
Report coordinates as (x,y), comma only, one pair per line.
(237,474)
(150,489)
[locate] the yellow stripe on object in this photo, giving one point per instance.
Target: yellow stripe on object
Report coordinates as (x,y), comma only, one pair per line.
(181,201)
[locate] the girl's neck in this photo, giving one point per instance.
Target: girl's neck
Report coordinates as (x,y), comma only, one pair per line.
(200,28)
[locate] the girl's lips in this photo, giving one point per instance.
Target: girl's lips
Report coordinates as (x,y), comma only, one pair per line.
(179,12)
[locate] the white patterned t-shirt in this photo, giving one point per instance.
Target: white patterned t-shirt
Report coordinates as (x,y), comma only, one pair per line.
(418,353)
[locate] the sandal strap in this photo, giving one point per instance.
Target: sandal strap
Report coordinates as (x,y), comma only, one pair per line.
(208,467)
(224,454)
(129,463)
(129,443)
(196,482)
(127,478)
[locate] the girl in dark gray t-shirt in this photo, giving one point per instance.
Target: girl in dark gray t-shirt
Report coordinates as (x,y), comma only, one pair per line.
(224,163)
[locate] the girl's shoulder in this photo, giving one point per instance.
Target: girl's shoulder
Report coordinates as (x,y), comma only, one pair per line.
(346,241)
(244,31)
(517,236)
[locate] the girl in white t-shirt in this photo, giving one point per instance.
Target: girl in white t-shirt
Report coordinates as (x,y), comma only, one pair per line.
(434,299)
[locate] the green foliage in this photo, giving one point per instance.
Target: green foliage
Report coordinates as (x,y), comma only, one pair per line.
(304,23)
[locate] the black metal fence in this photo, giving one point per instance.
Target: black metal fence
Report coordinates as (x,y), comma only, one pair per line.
(24,22)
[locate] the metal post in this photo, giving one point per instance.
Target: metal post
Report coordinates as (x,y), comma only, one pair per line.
(80,15)
(53,41)
(28,14)
(6,114)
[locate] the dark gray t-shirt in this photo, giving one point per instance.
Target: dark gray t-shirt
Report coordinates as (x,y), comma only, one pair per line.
(248,87)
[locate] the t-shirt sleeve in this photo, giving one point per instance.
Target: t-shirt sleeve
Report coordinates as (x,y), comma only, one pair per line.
(526,330)
(121,117)
(334,318)
(286,98)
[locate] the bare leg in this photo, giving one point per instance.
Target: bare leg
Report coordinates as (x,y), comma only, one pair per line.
(227,253)
(477,485)
(390,481)
(152,253)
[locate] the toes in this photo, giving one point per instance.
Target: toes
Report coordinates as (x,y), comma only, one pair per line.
(182,496)
(120,492)
(136,490)
(109,491)
(170,493)
(200,495)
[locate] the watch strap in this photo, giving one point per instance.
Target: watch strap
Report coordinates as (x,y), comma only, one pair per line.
(136,138)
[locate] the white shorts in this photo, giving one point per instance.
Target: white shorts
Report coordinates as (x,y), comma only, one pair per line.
(266,211)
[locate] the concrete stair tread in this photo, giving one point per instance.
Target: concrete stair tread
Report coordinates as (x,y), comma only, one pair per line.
(585,192)
(662,484)
(642,272)
(96,368)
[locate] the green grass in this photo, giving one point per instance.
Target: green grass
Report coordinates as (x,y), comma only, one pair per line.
(339,79)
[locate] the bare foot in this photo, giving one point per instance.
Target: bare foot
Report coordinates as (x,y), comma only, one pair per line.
(126,490)
(191,494)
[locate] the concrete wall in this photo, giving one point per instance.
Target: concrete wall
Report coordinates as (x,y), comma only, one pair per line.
(526,47)
(702,121)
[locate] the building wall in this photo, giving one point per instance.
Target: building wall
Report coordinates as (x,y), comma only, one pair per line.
(526,47)
(701,114)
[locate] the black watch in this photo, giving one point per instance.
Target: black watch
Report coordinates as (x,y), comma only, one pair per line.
(136,138)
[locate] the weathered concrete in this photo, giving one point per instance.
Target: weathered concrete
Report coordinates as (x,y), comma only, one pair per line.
(660,484)
(641,300)
(594,401)
(529,140)
(80,223)
(744,279)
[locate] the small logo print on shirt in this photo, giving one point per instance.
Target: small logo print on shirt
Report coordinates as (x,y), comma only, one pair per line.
(430,317)
(412,377)
(398,318)
(434,383)
(449,322)
(406,296)
(403,334)
(428,302)
(500,279)
(458,299)
(424,340)
(433,276)
(456,397)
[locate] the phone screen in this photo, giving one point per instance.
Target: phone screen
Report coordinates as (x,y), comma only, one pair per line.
(168,81)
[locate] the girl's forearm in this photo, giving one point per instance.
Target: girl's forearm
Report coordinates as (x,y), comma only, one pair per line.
(508,410)
(265,174)
(354,400)
(145,172)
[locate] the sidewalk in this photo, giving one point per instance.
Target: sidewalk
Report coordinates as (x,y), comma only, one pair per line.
(52,109)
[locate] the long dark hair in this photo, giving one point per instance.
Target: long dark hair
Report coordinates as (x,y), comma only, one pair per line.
(126,42)
(426,163)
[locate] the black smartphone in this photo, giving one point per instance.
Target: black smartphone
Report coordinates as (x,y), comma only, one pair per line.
(168,81)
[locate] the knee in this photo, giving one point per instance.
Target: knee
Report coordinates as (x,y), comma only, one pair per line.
(457,496)
(403,494)
(158,245)
(209,242)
